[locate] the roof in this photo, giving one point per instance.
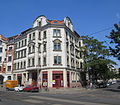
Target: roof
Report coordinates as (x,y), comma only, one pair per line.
(56,21)
(3,38)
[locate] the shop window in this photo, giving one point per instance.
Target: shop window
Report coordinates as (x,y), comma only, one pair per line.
(9,77)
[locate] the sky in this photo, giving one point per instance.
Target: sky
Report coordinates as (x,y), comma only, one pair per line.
(88,16)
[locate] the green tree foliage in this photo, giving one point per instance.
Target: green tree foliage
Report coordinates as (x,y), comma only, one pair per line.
(115,41)
(95,56)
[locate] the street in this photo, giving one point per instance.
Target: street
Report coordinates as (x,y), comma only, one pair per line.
(104,96)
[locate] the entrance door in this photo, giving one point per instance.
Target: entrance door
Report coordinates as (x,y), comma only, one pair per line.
(34,78)
(19,78)
(68,79)
(58,78)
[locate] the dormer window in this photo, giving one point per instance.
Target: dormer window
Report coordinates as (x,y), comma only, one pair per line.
(39,23)
(69,24)
(55,21)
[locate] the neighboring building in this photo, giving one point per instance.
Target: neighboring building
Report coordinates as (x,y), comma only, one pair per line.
(47,54)
(6,58)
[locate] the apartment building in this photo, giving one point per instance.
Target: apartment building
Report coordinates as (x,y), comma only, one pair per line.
(47,54)
(6,58)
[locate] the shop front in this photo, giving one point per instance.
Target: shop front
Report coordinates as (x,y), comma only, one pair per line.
(57,79)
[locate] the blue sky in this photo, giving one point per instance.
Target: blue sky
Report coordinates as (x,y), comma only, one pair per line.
(88,16)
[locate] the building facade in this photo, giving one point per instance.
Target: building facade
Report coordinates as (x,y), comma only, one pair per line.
(48,54)
(6,59)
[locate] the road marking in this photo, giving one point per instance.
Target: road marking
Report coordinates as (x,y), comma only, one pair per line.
(66,101)
(32,101)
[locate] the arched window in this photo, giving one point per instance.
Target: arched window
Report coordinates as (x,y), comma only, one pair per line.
(57,45)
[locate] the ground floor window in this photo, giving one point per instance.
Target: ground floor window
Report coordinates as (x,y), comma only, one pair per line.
(9,77)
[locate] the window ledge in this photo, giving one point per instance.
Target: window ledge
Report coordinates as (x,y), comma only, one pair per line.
(57,64)
(57,37)
(57,50)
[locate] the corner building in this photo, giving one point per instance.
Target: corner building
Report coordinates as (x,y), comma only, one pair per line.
(49,54)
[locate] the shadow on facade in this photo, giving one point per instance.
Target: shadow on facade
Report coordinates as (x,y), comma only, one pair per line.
(1,79)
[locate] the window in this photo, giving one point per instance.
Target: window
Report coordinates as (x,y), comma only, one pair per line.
(33,62)
(28,62)
(33,48)
(22,53)
(39,36)
(67,46)
(39,23)
(9,68)
(72,49)
(15,66)
(29,37)
(56,32)
(25,53)
(44,47)
(10,48)
(57,59)
(24,64)
(22,42)
(72,63)
(0,49)
(19,44)
(25,42)
(39,63)
(21,65)
(18,65)
(66,35)
(34,36)
(44,61)
(29,49)
(67,60)
(9,77)
(0,42)
(39,47)
(0,59)
(57,45)
(9,58)
(44,35)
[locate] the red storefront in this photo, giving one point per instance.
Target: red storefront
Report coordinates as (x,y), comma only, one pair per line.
(58,79)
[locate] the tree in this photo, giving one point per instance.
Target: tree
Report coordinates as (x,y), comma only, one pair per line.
(95,57)
(115,41)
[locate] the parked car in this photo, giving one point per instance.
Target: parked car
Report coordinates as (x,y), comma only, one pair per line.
(19,88)
(114,82)
(118,87)
(102,85)
(30,88)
